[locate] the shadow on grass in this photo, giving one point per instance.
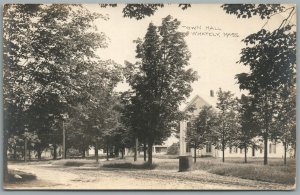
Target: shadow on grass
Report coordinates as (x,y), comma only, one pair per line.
(130,166)
(74,163)
(19,176)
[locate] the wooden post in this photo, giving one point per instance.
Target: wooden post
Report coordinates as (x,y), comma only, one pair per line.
(64,155)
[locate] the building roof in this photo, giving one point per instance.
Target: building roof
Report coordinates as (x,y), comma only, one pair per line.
(197,102)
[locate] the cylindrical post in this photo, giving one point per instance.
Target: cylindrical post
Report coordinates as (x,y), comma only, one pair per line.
(25,150)
(182,140)
(185,162)
(64,142)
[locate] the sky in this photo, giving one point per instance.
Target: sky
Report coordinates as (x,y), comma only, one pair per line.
(214,40)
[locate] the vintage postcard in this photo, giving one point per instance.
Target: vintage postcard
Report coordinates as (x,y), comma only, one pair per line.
(149,96)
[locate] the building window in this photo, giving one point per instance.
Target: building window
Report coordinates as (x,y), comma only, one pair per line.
(272,148)
(241,150)
(208,147)
(261,150)
(230,150)
(188,149)
(253,151)
(235,150)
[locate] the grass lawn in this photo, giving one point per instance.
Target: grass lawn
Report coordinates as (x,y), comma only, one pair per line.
(275,171)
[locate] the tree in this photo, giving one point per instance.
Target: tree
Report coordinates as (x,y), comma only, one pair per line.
(275,66)
(271,56)
(285,120)
(200,130)
(248,128)
(47,52)
(140,11)
(226,129)
(159,80)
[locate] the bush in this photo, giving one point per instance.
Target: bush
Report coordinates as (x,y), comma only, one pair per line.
(173,149)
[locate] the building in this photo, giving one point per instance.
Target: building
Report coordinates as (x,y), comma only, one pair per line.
(275,149)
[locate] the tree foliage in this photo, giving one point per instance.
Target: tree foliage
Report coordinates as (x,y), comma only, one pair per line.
(51,69)
(159,80)
(201,128)
(250,10)
(140,11)
(227,125)
(271,56)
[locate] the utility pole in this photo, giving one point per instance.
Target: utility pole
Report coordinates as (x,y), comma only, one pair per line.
(64,151)
(64,141)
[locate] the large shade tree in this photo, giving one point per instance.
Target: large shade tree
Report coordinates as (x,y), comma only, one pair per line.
(47,52)
(160,79)
(271,56)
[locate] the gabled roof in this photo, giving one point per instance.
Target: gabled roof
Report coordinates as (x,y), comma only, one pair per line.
(198,102)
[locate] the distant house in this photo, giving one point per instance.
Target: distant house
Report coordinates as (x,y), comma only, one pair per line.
(275,149)
(197,102)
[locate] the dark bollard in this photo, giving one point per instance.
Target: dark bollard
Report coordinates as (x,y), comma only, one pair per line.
(185,163)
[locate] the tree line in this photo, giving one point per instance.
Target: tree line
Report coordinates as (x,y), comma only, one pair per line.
(236,122)
(58,91)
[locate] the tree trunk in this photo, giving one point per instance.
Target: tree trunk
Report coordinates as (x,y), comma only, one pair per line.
(83,152)
(295,151)
(107,152)
(15,152)
(54,152)
(96,152)
(64,141)
(136,149)
(39,154)
(25,150)
(29,154)
(223,153)
(5,147)
(150,145)
(145,152)
(245,154)
(265,149)
(122,152)
(285,149)
(117,150)
(195,155)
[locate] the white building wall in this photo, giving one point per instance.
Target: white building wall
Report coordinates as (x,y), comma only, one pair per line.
(92,151)
(277,151)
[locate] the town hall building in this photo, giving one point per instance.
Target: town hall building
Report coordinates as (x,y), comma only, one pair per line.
(275,149)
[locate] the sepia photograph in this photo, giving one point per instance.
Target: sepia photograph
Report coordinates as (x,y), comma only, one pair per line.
(149,97)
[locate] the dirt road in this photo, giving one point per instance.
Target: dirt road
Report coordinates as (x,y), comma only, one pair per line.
(91,178)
